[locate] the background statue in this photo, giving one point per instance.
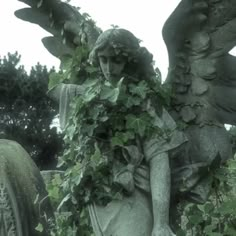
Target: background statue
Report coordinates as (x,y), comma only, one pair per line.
(201,72)
(23,198)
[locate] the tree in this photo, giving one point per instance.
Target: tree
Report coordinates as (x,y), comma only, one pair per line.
(27,112)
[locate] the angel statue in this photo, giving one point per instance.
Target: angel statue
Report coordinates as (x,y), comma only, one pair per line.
(141,166)
(137,156)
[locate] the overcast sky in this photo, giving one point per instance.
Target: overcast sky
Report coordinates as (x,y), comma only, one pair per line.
(144,18)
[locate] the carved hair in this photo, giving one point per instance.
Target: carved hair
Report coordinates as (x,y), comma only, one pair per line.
(126,44)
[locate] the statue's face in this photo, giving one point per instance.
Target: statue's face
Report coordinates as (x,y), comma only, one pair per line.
(112,65)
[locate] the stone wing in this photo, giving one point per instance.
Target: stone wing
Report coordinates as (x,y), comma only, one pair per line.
(202,73)
(69,28)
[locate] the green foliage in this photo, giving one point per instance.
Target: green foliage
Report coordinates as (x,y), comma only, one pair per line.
(27,112)
(105,121)
(39,228)
(75,69)
(217,216)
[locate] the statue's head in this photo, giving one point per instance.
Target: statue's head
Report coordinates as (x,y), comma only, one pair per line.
(117,52)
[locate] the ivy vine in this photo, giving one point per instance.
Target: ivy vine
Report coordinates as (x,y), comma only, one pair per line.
(105,121)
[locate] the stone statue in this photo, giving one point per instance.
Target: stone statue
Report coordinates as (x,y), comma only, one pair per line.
(201,74)
(23,198)
(145,211)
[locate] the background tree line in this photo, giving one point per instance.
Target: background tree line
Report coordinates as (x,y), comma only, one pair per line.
(27,112)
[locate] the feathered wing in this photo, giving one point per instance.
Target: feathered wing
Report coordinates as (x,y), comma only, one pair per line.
(69,28)
(202,73)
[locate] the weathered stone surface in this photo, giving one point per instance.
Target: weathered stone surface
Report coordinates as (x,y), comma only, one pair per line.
(23,199)
(199,86)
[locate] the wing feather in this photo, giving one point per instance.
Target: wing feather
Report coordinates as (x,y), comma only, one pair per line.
(67,25)
(199,36)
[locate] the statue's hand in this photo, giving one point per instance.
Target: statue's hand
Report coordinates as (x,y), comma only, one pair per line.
(162,230)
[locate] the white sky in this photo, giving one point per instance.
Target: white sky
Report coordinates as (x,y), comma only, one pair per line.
(143,18)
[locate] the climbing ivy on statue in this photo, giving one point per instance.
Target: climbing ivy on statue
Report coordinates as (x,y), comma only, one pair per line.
(105,120)
(217,216)
(97,116)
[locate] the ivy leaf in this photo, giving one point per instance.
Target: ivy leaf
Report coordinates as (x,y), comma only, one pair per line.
(54,192)
(132,101)
(232,165)
(77,173)
(209,208)
(57,179)
(111,93)
(40,3)
(81,53)
(66,63)
(39,227)
(54,80)
(228,207)
(230,231)
(118,122)
(121,138)
(70,132)
(117,141)
(197,218)
(90,83)
(96,157)
(95,111)
(138,123)
(141,89)
(64,200)
(89,129)
(209,229)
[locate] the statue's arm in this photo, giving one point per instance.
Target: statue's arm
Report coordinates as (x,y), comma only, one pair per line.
(65,90)
(54,93)
(160,189)
(64,94)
